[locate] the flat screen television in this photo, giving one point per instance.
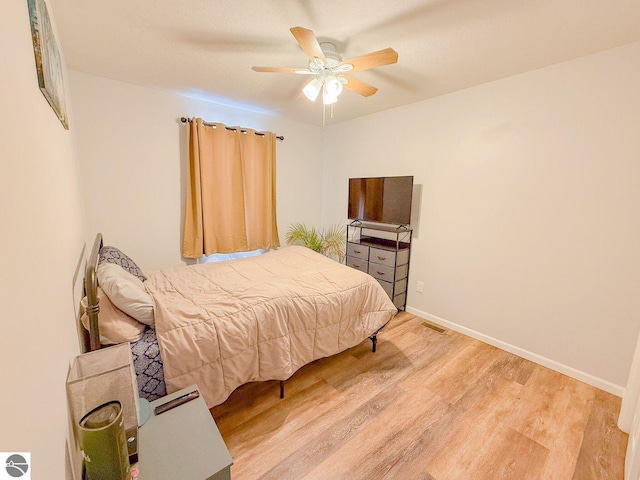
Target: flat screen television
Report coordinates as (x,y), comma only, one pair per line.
(381,199)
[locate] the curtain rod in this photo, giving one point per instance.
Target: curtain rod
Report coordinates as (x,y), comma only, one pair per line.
(188,120)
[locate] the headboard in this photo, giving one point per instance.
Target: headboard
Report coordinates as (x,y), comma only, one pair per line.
(91,292)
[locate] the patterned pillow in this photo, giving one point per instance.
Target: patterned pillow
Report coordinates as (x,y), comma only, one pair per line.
(148,366)
(113,255)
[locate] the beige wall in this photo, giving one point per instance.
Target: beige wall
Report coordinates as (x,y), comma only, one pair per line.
(529,232)
(132,148)
(42,244)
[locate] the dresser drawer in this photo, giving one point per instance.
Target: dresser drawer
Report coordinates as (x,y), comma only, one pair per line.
(401,286)
(399,300)
(383,257)
(382,272)
(388,257)
(402,271)
(358,251)
(388,287)
(358,264)
(403,257)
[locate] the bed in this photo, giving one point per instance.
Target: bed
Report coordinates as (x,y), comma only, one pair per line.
(220,325)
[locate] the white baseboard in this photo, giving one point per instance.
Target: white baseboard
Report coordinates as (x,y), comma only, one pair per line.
(534,357)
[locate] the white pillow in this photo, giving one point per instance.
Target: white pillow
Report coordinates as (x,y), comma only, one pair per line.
(115,326)
(126,292)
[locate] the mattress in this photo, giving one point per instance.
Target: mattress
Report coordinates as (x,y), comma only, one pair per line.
(221,325)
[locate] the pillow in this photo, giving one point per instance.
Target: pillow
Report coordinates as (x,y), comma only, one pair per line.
(126,292)
(115,326)
(113,255)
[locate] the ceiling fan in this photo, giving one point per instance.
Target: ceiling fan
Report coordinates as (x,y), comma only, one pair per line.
(328,69)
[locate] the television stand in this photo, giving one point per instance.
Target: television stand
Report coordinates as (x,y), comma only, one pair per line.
(382,251)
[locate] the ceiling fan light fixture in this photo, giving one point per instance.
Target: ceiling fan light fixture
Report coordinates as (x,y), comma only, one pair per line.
(332,86)
(312,89)
(327,97)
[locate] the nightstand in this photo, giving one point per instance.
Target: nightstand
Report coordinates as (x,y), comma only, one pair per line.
(183,443)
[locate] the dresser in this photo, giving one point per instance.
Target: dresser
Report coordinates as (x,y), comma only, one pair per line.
(382,251)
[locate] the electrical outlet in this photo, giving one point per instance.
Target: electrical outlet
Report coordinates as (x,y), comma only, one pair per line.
(419,287)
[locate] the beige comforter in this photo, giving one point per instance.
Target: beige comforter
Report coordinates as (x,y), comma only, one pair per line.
(220,325)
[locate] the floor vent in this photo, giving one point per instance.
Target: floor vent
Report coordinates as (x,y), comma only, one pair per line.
(433,327)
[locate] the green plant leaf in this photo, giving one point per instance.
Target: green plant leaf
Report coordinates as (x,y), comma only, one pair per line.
(329,242)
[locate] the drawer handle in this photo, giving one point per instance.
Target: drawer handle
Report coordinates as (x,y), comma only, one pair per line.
(381,258)
(357,251)
(379,272)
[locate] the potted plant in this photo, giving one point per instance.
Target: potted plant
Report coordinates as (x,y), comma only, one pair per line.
(330,242)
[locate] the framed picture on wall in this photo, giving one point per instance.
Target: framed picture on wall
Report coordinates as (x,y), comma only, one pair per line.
(48,61)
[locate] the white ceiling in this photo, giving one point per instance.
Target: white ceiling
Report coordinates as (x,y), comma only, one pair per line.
(206,48)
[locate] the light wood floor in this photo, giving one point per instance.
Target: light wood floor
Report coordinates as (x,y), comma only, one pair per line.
(425,406)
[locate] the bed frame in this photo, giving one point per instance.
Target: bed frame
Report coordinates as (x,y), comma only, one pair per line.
(91,340)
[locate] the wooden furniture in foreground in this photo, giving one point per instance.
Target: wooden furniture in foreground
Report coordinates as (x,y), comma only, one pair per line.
(426,406)
(182,443)
(383,252)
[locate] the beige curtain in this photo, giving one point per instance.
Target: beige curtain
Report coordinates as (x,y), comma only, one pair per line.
(231,194)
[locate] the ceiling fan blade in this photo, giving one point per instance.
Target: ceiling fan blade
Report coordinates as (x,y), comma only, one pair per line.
(386,56)
(308,42)
(359,86)
(301,71)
